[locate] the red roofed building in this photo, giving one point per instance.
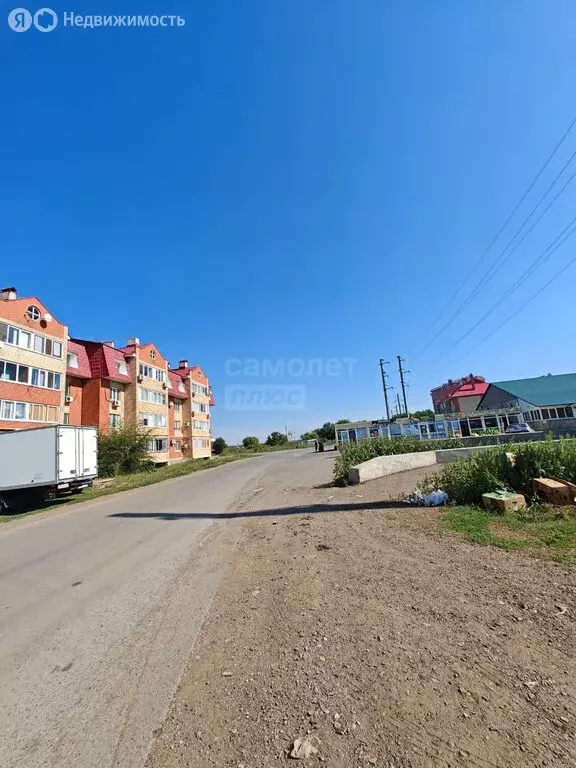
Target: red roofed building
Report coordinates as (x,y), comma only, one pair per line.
(33,347)
(459,395)
(196,420)
(97,377)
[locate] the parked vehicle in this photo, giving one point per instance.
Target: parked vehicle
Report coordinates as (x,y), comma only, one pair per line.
(512,428)
(41,464)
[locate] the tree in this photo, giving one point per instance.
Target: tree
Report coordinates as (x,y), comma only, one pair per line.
(425,415)
(343,421)
(276,438)
(218,446)
(123,450)
(308,436)
(251,443)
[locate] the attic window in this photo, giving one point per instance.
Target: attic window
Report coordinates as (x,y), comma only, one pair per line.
(33,312)
(181,387)
(72,360)
(121,367)
(152,354)
(169,384)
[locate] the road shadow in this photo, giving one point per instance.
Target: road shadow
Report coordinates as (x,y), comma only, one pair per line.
(307,509)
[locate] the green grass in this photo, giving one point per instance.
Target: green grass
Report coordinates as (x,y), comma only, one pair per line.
(545,531)
(137,480)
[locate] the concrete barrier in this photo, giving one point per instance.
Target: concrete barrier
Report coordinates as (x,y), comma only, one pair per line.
(448,455)
(389,465)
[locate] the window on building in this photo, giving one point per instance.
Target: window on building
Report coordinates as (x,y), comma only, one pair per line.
(51,414)
(37,412)
(25,340)
(170,383)
(114,420)
(177,406)
(181,387)
(151,396)
(121,367)
(13,411)
(153,420)
(33,312)
(545,413)
(72,360)
(66,419)
(114,392)
(158,445)
(8,371)
(152,354)
(177,425)
(177,445)
(149,372)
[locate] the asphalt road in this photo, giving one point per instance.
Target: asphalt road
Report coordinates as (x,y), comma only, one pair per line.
(99,607)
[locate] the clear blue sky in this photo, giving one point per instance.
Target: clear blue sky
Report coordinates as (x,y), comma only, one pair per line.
(290,179)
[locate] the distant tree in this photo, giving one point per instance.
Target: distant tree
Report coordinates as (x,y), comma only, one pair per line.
(425,415)
(276,438)
(326,431)
(343,421)
(219,445)
(251,443)
(308,436)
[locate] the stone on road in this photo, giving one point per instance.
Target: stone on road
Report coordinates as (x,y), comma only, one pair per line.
(99,607)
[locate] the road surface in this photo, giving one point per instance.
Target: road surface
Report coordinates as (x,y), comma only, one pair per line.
(99,607)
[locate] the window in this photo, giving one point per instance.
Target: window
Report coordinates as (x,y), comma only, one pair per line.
(178,425)
(72,360)
(159,445)
(149,372)
(152,354)
(199,389)
(121,367)
(8,371)
(51,413)
(25,340)
(181,387)
(203,426)
(545,413)
(37,412)
(177,406)
(66,419)
(114,420)
(170,383)
(33,312)
(151,396)
(13,335)
(13,411)
(177,445)
(153,420)
(114,392)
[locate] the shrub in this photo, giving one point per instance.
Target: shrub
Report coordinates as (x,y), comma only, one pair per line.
(363,450)
(467,479)
(123,451)
(277,438)
(251,443)
(218,445)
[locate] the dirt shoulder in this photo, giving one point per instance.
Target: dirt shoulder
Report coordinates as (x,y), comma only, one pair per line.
(361,627)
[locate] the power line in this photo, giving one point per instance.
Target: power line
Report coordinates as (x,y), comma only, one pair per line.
(521,307)
(570,228)
(502,228)
(502,258)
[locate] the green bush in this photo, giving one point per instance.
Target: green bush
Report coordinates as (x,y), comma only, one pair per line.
(251,443)
(277,438)
(363,450)
(123,451)
(218,445)
(467,479)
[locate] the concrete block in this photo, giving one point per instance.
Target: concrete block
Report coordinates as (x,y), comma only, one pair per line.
(389,465)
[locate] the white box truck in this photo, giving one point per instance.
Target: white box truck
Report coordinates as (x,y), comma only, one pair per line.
(47,462)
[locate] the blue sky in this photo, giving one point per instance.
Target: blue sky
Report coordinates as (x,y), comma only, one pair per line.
(292,179)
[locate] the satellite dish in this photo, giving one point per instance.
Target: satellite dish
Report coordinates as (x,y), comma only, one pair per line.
(48,317)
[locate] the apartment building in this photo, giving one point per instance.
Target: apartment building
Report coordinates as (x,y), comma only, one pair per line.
(97,377)
(33,348)
(178,393)
(195,410)
(146,397)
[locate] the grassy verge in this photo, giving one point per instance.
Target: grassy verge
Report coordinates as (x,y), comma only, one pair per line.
(137,480)
(545,531)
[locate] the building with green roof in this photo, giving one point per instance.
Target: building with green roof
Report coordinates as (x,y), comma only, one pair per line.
(543,398)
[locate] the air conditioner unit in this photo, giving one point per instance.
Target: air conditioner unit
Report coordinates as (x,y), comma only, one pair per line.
(139,378)
(164,385)
(193,394)
(194,413)
(68,399)
(115,403)
(186,423)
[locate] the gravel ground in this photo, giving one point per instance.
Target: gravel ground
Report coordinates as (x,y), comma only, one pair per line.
(353,623)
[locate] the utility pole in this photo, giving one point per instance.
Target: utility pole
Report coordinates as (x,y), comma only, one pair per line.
(399,405)
(385,387)
(402,382)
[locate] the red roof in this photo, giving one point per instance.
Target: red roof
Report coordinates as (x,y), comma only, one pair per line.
(471,388)
(176,380)
(83,370)
(104,360)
